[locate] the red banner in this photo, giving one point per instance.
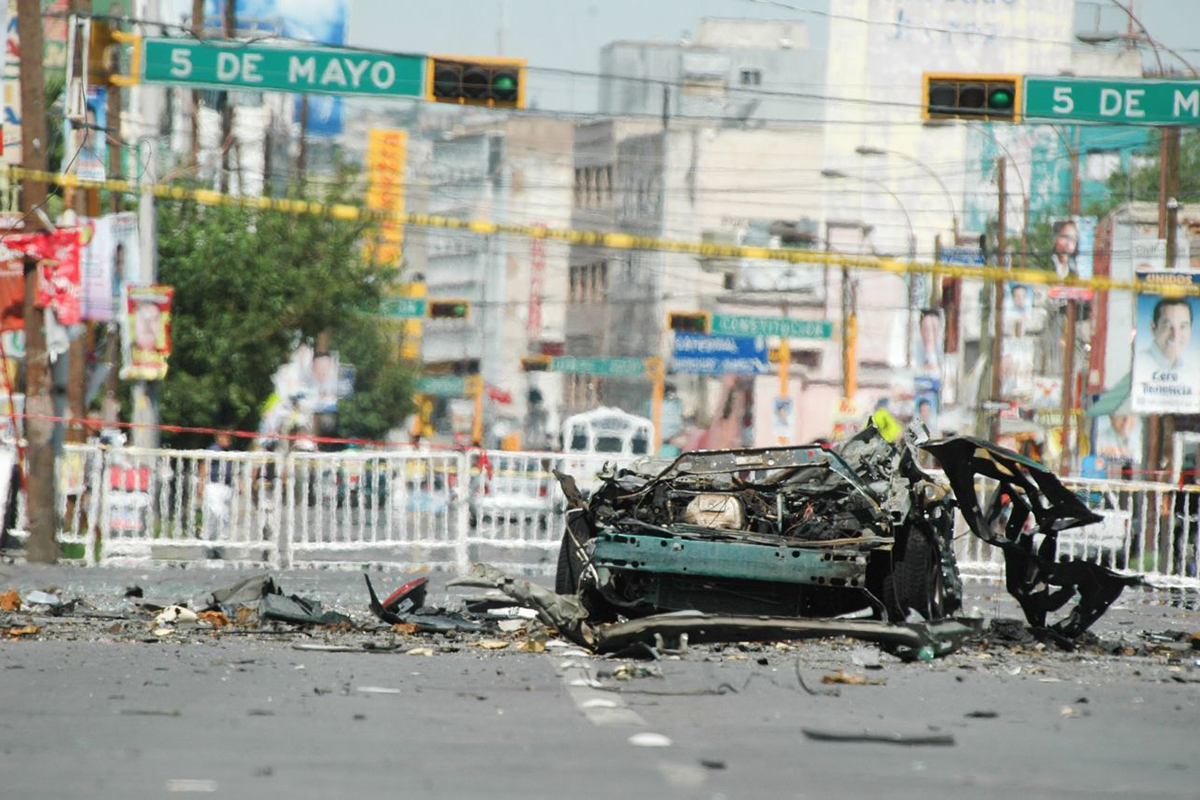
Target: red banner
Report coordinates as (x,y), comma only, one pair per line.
(58,269)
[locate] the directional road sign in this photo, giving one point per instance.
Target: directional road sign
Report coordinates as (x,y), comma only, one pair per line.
(442,385)
(1140,101)
(283,69)
(697,354)
(607,367)
(402,307)
(771,326)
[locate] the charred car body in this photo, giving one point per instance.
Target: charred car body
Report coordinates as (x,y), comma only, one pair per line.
(809,532)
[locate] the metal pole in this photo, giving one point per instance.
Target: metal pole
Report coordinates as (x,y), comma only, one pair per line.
(998,300)
(145,406)
(39,404)
(1168,174)
(1068,387)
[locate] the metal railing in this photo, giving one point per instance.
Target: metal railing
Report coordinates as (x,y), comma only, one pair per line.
(444,510)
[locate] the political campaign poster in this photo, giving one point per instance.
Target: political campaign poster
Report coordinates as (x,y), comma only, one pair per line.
(109,257)
(145,332)
(86,151)
(926,401)
(1166,352)
(1072,242)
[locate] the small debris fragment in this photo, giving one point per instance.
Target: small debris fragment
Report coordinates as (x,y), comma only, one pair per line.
(215,618)
(406,628)
(647,739)
(377,690)
(27,630)
(492,644)
(150,712)
(420,651)
(175,615)
(37,597)
(885,738)
(533,645)
(712,763)
(852,680)
(982,714)
(191,785)
(10,601)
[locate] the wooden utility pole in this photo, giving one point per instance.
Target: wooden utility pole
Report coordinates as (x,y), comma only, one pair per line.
(86,204)
(110,407)
(302,156)
(998,300)
(39,404)
(1068,358)
(1168,180)
(198,32)
(230,20)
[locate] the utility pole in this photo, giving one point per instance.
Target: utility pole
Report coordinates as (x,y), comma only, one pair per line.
(39,405)
(998,300)
(1068,380)
(110,407)
(198,32)
(86,204)
(230,19)
(1168,180)
(302,156)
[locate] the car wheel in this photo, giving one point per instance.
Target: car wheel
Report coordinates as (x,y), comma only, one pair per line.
(916,582)
(570,566)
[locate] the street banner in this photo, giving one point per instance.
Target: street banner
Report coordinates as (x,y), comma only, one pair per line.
(1166,352)
(927,401)
(386,157)
(109,256)
(145,332)
(86,151)
(698,354)
(58,269)
(1072,242)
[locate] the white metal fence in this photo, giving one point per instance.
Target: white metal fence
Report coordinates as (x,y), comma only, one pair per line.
(444,510)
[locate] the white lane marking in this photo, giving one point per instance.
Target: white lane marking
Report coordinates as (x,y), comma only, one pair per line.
(649,739)
(602,708)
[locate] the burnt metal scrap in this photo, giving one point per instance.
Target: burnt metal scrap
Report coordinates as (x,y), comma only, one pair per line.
(1023,516)
(781,542)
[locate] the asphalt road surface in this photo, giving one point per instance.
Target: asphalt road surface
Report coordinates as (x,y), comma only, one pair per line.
(103,708)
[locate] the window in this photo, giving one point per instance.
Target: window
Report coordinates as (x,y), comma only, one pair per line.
(578,187)
(751,77)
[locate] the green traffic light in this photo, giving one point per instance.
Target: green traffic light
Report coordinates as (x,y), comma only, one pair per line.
(504,86)
(1000,98)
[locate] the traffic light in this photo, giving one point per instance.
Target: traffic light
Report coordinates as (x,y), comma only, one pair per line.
(536,363)
(492,82)
(449,309)
(689,321)
(995,98)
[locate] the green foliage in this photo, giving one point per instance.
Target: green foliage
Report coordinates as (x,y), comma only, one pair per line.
(249,286)
(1142,182)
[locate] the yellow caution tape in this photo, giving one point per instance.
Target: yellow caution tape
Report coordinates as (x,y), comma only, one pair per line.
(611,240)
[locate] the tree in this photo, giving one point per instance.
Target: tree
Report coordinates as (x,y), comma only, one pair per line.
(1141,182)
(250,285)
(383,384)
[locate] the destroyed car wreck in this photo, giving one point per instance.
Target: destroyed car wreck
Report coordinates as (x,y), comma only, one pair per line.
(785,543)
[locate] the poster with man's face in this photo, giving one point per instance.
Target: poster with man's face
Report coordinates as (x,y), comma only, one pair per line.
(1166,350)
(1072,241)
(145,332)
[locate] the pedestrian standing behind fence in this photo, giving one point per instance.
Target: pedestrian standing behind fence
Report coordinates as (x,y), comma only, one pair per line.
(216,484)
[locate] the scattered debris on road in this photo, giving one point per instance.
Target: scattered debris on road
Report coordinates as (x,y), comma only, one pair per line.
(818,735)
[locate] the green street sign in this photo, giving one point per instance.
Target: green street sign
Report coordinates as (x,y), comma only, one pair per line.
(1139,102)
(402,307)
(609,367)
(442,385)
(282,69)
(728,325)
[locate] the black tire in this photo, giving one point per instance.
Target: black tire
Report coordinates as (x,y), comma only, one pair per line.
(570,567)
(915,582)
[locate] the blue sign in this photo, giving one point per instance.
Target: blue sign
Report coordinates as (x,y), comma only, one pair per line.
(697,354)
(966,256)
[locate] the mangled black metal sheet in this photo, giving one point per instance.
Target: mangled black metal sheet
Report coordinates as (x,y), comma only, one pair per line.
(1027,489)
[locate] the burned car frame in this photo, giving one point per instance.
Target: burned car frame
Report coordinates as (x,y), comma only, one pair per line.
(811,532)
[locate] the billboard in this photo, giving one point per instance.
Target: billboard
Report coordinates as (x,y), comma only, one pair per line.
(386,156)
(323,22)
(1166,352)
